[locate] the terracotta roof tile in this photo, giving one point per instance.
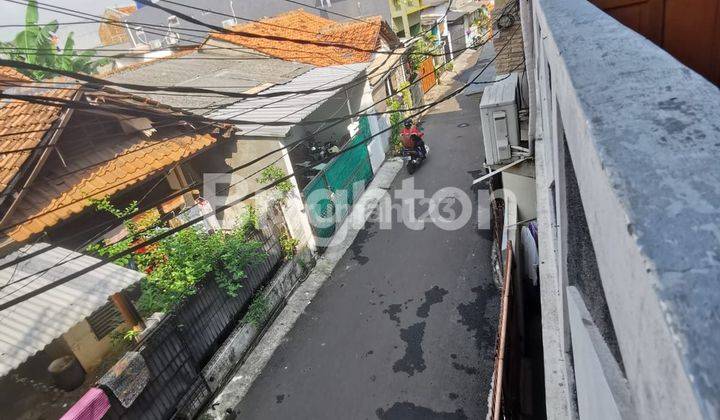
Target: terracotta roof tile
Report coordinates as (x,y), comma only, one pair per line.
(127,10)
(28,124)
(133,162)
(9,73)
(306,27)
(111,33)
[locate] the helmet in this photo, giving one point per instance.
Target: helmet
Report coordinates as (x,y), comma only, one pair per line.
(408,123)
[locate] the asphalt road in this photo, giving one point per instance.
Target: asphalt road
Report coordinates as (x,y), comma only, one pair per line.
(405,327)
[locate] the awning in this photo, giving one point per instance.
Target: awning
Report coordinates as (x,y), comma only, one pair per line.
(29,326)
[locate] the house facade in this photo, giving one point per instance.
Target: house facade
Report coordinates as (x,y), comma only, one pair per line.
(60,160)
(349,80)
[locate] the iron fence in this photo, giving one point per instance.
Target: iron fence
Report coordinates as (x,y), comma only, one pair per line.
(184,341)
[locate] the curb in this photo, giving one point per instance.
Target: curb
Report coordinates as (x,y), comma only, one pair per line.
(233,392)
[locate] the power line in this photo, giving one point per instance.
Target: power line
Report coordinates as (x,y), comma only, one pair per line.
(146,88)
(213,96)
(222,208)
(27,256)
(263,22)
(192,222)
(75,13)
(151,145)
(72,12)
(37,25)
(321,9)
(295,144)
(241,49)
(339,120)
(94,81)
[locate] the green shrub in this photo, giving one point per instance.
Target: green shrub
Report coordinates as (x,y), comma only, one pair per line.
(272,174)
(258,309)
(288,245)
(175,265)
(250,221)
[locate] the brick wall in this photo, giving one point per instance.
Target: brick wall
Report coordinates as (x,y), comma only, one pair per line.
(511,57)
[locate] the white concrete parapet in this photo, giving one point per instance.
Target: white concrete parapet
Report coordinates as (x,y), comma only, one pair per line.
(643,135)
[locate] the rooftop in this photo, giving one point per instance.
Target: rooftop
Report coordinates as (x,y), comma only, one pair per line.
(112,166)
(24,125)
(349,39)
(10,74)
(290,108)
(28,327)
(210,68)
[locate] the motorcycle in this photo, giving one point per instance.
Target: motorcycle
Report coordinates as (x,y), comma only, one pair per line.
(320,151)
(414,158)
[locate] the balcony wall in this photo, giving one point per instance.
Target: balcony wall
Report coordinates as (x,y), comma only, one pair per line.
(642,134)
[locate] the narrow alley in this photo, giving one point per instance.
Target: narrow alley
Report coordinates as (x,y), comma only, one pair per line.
(405,326)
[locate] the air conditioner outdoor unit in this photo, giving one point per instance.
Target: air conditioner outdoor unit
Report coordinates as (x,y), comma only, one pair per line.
(499,118)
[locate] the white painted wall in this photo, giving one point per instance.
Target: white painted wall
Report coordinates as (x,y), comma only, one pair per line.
(602,390)
(379,143)
(659,383)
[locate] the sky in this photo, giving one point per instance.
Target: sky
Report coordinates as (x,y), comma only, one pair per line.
(85,34)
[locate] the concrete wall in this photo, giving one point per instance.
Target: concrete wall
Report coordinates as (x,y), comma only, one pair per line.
(210,167)
(524,189)
(85,346)
(633,118)
(605,395)
(242,340)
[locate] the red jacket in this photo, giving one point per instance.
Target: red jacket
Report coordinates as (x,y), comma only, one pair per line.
(406,136)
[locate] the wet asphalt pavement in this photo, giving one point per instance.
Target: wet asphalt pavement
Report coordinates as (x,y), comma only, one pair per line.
(405,327)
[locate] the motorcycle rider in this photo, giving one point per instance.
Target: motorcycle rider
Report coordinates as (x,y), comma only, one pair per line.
(411,138)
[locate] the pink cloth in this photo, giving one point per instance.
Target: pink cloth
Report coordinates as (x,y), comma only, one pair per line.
(92,406)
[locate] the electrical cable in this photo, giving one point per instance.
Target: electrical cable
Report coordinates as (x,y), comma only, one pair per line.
(192,222)
(185,90)
(300,41)
(146,88)
(166,29)
(25,132)
(250,163)
(448,96)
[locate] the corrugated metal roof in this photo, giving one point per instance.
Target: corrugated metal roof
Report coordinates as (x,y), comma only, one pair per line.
(290,108)
(28,327)
(222,71)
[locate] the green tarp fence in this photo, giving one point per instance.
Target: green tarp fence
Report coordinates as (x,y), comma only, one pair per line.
(331,194)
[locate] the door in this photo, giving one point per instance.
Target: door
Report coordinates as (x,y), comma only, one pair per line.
(642,16)
(692,35)
(687,29)
(427,74)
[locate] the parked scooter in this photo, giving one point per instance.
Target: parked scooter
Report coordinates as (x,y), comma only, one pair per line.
(319,151)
